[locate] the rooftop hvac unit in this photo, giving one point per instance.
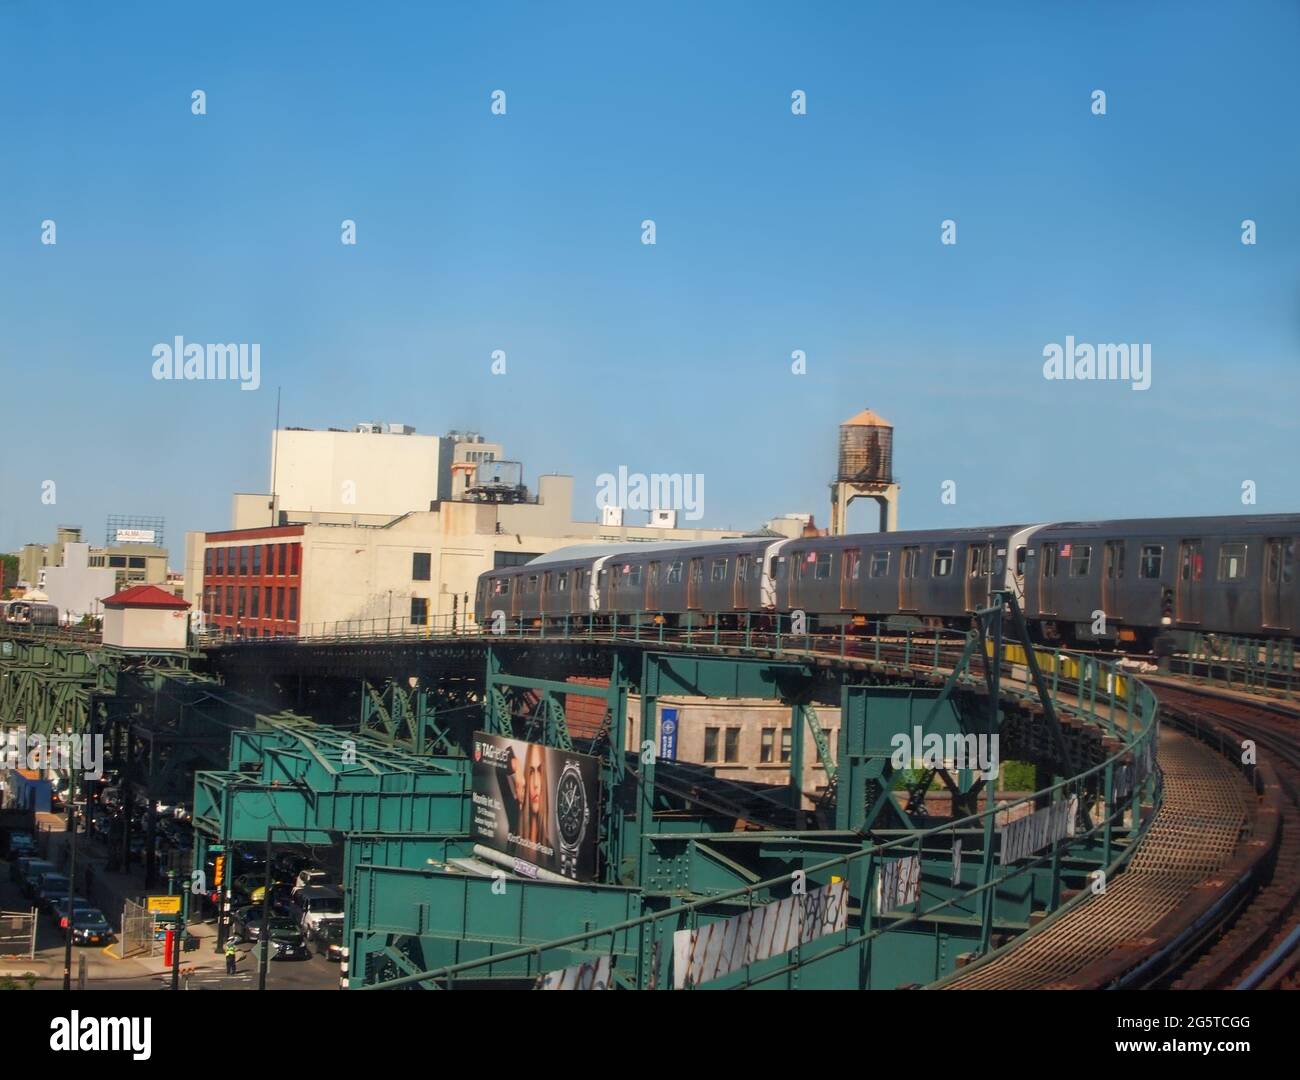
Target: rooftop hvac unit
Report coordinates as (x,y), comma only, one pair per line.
(663,519)
(401,429)
(611,515)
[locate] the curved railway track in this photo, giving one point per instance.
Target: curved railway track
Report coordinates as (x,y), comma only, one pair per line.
(1255,945)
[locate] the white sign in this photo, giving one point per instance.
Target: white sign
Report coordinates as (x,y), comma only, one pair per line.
(135,536)
(593,975)
(722,947)
(899,883)
(1041,829)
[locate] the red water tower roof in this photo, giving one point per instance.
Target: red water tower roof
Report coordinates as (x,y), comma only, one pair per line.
(144,596)
(866,418)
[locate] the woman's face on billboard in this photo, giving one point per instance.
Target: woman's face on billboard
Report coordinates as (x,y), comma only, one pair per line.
(535,782)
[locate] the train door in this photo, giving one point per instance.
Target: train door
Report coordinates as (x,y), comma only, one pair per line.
(694,583)
(1112,578)
(1279,583)
(652,587)
(580,596)
(1048,558)
(908,568)
(1191,569)
(850,571)
(979,570)
(744,569)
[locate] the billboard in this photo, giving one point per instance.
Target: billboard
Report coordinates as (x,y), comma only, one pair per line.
(537,803)
(135,536)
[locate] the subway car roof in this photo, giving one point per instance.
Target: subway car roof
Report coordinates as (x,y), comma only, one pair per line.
(582,552)
(1189,527)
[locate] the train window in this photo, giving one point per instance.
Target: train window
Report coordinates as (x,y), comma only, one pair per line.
(911,561)
(1022,553)
(500,586)
(852,562)
(1047,568)
(1191,564)
(1232,562)
(718,571)
(674,573)
(697,571)
(532,584)
(822,567)
(562,581)
(742,562)
(942,565)
(1080,560)
(1152,557)
(976,562)
(634,576)
(880,563)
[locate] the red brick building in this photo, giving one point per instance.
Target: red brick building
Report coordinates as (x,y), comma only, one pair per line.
(252,581)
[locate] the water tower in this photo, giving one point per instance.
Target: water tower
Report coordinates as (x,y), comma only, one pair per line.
(866,470)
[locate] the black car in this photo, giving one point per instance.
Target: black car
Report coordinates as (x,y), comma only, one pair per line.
(329,940)
(286,939)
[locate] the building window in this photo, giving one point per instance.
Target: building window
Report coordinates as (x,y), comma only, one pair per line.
(421,565)
(293,605)
(266,602)
(243,600)
(209,561)
(942,565)
(1081,560)
(767,746)
(255,610)
(786,743)
(711,744)
(718,571)
(830,744)
(257,560)
(295,559)
(1232,562)
(513,558)
(279,602)
(419,611)
(731,749)
(243,559)
(230,600)
(879,563)
(117,561)
(1152,557)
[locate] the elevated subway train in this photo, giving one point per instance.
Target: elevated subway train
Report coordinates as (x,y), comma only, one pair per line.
(1148,577)
(28,613)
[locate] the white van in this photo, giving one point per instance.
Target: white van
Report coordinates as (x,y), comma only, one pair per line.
(316,904)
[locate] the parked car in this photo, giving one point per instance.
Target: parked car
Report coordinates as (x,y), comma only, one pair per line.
(28,871)
(52,888)
(59,909)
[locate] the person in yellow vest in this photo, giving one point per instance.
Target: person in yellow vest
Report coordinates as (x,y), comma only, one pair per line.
(231,956)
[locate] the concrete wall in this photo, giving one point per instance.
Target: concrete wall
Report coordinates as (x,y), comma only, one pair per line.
(145,628)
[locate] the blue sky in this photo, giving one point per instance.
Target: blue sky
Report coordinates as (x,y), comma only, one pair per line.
(775,232)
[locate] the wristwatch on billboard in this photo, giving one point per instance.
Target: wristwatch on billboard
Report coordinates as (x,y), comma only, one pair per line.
(572,815)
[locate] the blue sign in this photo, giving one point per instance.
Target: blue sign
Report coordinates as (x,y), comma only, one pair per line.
(667,734)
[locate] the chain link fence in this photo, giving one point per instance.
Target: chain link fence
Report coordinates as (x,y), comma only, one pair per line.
(18,933)
(137,937)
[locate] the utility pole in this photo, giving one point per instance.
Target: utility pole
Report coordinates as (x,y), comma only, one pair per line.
(72,877)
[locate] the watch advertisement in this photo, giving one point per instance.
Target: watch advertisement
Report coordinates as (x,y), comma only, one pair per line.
(536,803)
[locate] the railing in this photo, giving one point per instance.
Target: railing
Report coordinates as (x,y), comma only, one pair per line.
(1106,791)
(1242,663)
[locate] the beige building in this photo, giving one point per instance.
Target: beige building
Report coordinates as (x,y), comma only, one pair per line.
(145,617)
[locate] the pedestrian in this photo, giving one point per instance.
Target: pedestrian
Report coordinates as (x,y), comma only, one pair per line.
(231,956)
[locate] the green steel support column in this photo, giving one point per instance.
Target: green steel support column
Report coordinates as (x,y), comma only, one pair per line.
(646,789)
(796,756)
(851,800)
(993,672)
